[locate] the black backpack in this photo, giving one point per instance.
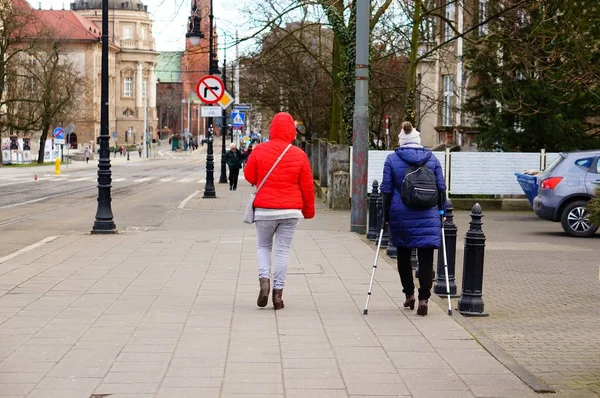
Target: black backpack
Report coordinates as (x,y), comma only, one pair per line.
(419,187)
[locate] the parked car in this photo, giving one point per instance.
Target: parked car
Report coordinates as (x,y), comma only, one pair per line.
(565,188)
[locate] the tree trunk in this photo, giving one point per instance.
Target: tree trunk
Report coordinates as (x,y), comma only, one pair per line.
(336,94)
(410,112)
(45,128)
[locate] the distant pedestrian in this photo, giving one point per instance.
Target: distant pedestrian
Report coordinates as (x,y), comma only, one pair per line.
(234,160)
(115,148)
(140,150)
(413,227)
(86,154)
(286,196)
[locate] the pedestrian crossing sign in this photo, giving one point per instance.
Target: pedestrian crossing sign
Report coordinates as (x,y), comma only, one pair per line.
(238,119)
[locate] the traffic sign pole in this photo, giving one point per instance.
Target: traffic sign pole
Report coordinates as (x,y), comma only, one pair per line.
(223,176)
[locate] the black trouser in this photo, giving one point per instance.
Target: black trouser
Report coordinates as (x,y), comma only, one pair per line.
(234,172)
(425,272)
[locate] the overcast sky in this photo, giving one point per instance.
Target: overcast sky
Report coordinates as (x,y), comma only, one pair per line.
(170,19)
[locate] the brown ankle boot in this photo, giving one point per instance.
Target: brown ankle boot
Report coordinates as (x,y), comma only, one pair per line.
(277,300)
(409,302)
(422,310)
(263,293)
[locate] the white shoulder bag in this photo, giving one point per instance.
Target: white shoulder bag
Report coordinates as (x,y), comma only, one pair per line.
(249,213)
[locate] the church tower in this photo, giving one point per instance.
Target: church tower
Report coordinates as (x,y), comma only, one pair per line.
(195,63)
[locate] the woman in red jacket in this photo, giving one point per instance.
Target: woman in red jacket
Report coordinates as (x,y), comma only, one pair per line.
(287,195)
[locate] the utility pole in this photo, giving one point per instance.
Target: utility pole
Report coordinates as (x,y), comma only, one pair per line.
(104,223)
(209,187)
(223,176)
(358,215)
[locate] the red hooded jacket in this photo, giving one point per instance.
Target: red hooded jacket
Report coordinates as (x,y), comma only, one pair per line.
(290,185)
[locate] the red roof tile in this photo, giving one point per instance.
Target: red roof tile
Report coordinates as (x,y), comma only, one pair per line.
(66,24)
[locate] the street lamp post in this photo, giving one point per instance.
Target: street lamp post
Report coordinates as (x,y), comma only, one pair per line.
(223,177)
(104,223)
(209,187)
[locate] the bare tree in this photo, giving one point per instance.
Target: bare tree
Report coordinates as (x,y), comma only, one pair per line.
(55,87)
(19,33)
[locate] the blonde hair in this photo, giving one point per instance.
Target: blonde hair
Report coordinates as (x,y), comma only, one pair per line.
(407,127)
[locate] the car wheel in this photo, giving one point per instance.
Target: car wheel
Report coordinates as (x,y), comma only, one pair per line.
(575,221)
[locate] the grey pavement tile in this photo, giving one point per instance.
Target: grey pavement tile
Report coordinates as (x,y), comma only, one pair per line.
(318,384)
(34,353)
(20,389)
(311,373)
(201,362)
(152,376)
(68,383)
(144,356)
(60,393)
(477,361)
(307,363)
(192,382)
(10,366)
(196,371)
(144,366)
(68,370)
(418,360)
(521,391)
(126,388)
(314,393)
(252,396)
(377,389)
(406,344)
(426,393)
(255,377)
(245,388)
(479,379)
(251,367)
(20,377)
(189,393)
(170,348)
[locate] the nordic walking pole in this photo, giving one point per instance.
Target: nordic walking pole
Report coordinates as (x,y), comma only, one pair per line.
(446,268)
(366,311)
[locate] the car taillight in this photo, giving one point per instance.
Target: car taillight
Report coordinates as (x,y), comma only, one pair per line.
(551,183)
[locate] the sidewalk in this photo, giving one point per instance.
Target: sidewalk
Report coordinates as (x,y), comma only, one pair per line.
(172,313)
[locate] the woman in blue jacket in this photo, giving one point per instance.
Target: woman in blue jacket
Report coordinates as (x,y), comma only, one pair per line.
(412,228)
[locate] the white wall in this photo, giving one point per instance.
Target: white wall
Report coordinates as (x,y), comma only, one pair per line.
(475,173)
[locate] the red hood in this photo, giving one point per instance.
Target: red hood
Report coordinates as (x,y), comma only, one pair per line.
(283,127)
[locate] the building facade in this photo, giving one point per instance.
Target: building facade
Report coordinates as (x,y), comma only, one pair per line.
(442,81)
(132,72)
(194,63)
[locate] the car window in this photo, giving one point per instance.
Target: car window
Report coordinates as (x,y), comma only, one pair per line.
(584,164)
(597,167)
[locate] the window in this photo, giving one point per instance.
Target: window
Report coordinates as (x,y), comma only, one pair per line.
(483,14)
(448,33)
(31,83)
(143,34)
(598,166)
(144,88)
(127,33)
(128,87)
(128,112)
(448,98)
(31,59)
(428,29)
(584,164)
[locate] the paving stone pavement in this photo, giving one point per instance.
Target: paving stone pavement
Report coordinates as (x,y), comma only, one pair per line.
(172,313)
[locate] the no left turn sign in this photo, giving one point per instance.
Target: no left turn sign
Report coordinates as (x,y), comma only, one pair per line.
(210,89)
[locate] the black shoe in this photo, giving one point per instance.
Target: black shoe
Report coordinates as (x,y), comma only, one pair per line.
(230,188)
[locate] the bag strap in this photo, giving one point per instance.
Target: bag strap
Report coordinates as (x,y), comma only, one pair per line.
(272,168)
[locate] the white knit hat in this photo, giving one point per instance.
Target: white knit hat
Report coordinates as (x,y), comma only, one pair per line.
(414,137)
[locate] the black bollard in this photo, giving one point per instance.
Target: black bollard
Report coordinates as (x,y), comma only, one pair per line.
(373,232)
(391,251)
(471,301)
(450,233)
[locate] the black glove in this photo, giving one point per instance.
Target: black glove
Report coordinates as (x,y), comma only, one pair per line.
(387,204)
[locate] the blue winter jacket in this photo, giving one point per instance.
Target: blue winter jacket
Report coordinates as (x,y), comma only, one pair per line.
(412,228)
